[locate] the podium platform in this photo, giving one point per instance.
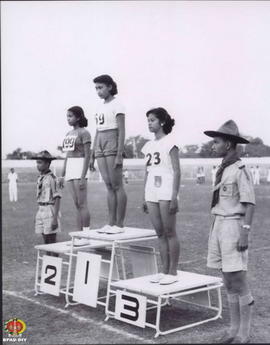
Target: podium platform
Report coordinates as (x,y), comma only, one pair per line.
(191,288)
(66,249)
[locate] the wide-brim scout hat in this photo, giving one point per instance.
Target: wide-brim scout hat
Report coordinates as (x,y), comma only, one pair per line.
(44,155)
(228,130)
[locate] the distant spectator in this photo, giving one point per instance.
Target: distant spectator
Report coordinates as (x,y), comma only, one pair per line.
(202,175)
(12,186)
(268,176)
(257,175)
(252,170)
(125,175)
(213,174)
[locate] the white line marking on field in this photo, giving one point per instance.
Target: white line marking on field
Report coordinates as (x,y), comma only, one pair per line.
(78,317)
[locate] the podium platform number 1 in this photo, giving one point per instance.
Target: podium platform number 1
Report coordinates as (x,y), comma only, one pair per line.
(130,308)
(51,275)
(86,282)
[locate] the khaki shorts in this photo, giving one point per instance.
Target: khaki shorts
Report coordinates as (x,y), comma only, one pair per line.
(106,143)
(222,246)
(44,217)
(158,187)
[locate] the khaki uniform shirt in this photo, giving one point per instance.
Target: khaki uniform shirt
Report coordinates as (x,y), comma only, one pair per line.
(47,188)
(236,188)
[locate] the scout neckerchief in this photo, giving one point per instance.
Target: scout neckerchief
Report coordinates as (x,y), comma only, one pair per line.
(40,182)
(228,160)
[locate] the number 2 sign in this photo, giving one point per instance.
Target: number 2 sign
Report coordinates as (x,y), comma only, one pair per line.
(51,275)
(130,308)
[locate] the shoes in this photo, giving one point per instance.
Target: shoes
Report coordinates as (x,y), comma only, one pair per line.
(225,339)
(157,278)
(115,230)
(79,242)
(239,340)
(108,229)
(104,229)
(168,279)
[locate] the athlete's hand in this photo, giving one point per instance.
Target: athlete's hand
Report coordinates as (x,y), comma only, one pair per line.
(92,164)
(144,207)
(82,183)
(61,182)
(242,244)
(118,161)
(54,225)
(173,206)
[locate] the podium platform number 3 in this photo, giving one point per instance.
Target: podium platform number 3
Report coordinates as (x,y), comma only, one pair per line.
(51,275)
(130,308)
(86,282)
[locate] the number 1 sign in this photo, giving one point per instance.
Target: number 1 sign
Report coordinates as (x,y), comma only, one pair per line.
(51,275)
(87,278)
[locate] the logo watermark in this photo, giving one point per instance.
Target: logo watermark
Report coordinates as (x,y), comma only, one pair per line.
(14,328)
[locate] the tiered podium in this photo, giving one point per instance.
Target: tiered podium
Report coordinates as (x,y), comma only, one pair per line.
(103,256)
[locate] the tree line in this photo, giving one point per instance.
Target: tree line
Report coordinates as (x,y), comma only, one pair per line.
(134,144)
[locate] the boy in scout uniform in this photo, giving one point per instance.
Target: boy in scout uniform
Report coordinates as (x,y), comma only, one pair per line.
(232,206)
(48,198)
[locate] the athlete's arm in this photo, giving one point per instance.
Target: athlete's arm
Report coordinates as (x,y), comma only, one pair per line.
(92,154)
(120,119)
(86,160)
(63,173)
(144,204)
(174,154)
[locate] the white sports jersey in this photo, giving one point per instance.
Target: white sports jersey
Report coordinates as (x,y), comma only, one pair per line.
(157,155)
(106,114)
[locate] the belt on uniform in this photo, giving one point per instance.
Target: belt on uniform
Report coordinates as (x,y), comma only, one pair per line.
(237,216)
(45,203)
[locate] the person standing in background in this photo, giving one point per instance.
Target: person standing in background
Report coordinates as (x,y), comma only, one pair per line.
(213,174)
(12,185)
(257,176)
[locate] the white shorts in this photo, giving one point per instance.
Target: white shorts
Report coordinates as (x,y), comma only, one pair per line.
(74,168)
(158,187)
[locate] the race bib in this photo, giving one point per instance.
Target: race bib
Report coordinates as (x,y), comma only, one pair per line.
(69,143)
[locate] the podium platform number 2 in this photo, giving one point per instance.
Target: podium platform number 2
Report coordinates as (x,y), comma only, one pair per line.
(86,282)
(130,308)
(51,275)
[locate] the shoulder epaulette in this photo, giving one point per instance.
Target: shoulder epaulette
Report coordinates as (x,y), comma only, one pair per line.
(243,168)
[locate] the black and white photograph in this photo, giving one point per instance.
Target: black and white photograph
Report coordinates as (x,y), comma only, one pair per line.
(135,172)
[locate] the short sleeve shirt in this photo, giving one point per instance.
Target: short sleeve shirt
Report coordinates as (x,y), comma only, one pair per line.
(12,177)
(47,188)
(106,114)
(157,155)
(236,189)
(73,144)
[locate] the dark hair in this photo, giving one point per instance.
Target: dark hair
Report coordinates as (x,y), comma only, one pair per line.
(107,80)
(165,119)
(79,113)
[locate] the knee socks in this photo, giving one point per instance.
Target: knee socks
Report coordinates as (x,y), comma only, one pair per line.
(233,300)
(246,305)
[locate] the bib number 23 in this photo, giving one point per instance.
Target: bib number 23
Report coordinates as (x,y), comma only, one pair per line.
(153,159)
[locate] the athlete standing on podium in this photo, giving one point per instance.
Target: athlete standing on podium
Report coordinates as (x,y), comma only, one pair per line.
(108,149)
(162,182)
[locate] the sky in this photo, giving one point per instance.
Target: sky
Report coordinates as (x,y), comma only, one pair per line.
(204,61)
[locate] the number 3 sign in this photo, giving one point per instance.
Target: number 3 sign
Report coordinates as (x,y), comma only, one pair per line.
(51,275)
(130,308)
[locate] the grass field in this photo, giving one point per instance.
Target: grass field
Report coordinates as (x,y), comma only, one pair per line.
(49,323)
